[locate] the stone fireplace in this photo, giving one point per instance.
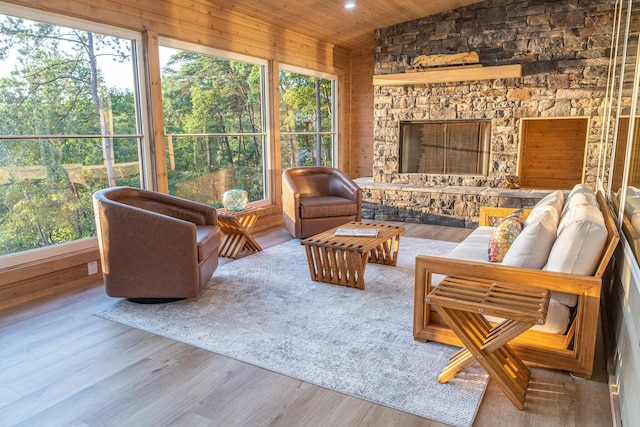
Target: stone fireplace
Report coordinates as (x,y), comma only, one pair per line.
(563,49)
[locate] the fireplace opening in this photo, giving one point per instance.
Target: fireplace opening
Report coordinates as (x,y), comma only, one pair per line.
(445,147)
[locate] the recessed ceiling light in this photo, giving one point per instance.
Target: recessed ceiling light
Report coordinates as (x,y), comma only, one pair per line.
(349,4)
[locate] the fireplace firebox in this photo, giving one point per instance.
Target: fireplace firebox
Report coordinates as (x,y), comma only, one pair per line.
(457,147)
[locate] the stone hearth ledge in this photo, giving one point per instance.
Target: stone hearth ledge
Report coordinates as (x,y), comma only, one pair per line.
(457,206)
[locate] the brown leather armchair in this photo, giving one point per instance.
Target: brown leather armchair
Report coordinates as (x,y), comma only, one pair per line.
(154,247)
(318,198)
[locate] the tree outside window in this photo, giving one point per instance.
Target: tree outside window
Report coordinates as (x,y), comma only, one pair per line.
(307,124)
(214,125)
(67,128)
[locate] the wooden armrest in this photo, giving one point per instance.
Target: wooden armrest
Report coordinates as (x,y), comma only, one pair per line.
(561,282)
(490,216)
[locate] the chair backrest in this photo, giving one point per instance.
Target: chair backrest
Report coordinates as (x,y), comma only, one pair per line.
(312,181)
(313,185)
(121,198)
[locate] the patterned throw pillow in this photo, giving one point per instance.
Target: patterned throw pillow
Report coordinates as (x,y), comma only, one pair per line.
(504,236)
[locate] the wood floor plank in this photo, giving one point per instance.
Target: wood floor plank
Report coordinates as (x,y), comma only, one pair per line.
(63,366)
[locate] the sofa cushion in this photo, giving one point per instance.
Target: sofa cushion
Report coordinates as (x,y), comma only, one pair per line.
(504,235)
(326,207)
(552,203)
(532,246)
(578,248)
(580,195)
(472,248)
(558,316)
(584,213)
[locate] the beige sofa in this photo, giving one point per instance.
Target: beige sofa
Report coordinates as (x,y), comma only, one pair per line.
(565,246)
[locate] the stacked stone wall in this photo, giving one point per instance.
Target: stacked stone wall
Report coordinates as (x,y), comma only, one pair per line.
(563,47)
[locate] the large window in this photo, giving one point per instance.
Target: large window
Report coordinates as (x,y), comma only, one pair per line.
(214,116)
(69,125)
(307,118)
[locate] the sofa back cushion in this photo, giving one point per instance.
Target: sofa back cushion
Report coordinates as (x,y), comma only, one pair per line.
(532,246)
(581,239)
(580,195)
(551,203)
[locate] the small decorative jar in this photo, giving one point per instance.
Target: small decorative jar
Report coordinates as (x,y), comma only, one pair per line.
(235,200)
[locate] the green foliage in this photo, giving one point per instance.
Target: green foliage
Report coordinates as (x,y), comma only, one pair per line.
(299,99)
(54,98)
(204,95)
(45,187)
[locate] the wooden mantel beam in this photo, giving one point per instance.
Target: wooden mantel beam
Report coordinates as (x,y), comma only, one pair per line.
(449,74)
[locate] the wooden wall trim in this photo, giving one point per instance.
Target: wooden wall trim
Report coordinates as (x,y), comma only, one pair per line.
(153,82)
(37,279)
(361,110)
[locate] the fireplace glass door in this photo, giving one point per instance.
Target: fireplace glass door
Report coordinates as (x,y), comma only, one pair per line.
(452,147)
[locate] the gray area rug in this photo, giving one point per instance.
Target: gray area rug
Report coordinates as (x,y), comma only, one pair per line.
(265,310)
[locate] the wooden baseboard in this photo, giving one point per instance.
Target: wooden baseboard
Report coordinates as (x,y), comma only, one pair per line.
(45,277)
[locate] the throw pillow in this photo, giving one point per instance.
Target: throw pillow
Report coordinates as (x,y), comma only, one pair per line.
(504,235)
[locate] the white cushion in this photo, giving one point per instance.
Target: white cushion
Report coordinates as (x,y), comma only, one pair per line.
(635,221)
(632,205)
(532,246)
(584,213)
(632,191)
(552,202)
(569,300)
(580,195)
(472,248)
(558,316)
(577,248)
(580,188)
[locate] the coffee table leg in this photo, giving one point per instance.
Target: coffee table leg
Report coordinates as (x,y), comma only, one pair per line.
(336,266)
(387,252)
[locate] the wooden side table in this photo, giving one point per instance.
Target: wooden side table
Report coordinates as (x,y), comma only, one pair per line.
(463,303)
(236,227)
(341,260)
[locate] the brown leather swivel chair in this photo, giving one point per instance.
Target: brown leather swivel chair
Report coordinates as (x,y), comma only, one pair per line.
(154,247)
(318,198)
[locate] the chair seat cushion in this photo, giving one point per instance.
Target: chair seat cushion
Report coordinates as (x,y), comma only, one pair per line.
(326,207)
(207,238)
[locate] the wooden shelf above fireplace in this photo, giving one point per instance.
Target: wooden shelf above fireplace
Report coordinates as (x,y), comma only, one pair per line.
(448,75)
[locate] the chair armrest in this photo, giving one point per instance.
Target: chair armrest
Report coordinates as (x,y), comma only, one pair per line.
(561,282)
(341,185)
(490,216)
(290,197)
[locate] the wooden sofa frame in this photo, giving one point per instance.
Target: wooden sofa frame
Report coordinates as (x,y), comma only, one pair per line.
(573,351)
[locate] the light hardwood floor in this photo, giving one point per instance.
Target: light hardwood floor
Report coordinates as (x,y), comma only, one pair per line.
(62,366)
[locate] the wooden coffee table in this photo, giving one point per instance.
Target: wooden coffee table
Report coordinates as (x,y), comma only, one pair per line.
(342,260)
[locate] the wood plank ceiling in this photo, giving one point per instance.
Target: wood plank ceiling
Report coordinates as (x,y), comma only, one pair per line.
(329,21)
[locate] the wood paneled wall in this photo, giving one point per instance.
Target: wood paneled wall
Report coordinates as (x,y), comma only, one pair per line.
(552,152)
(200,22)
(361,130)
